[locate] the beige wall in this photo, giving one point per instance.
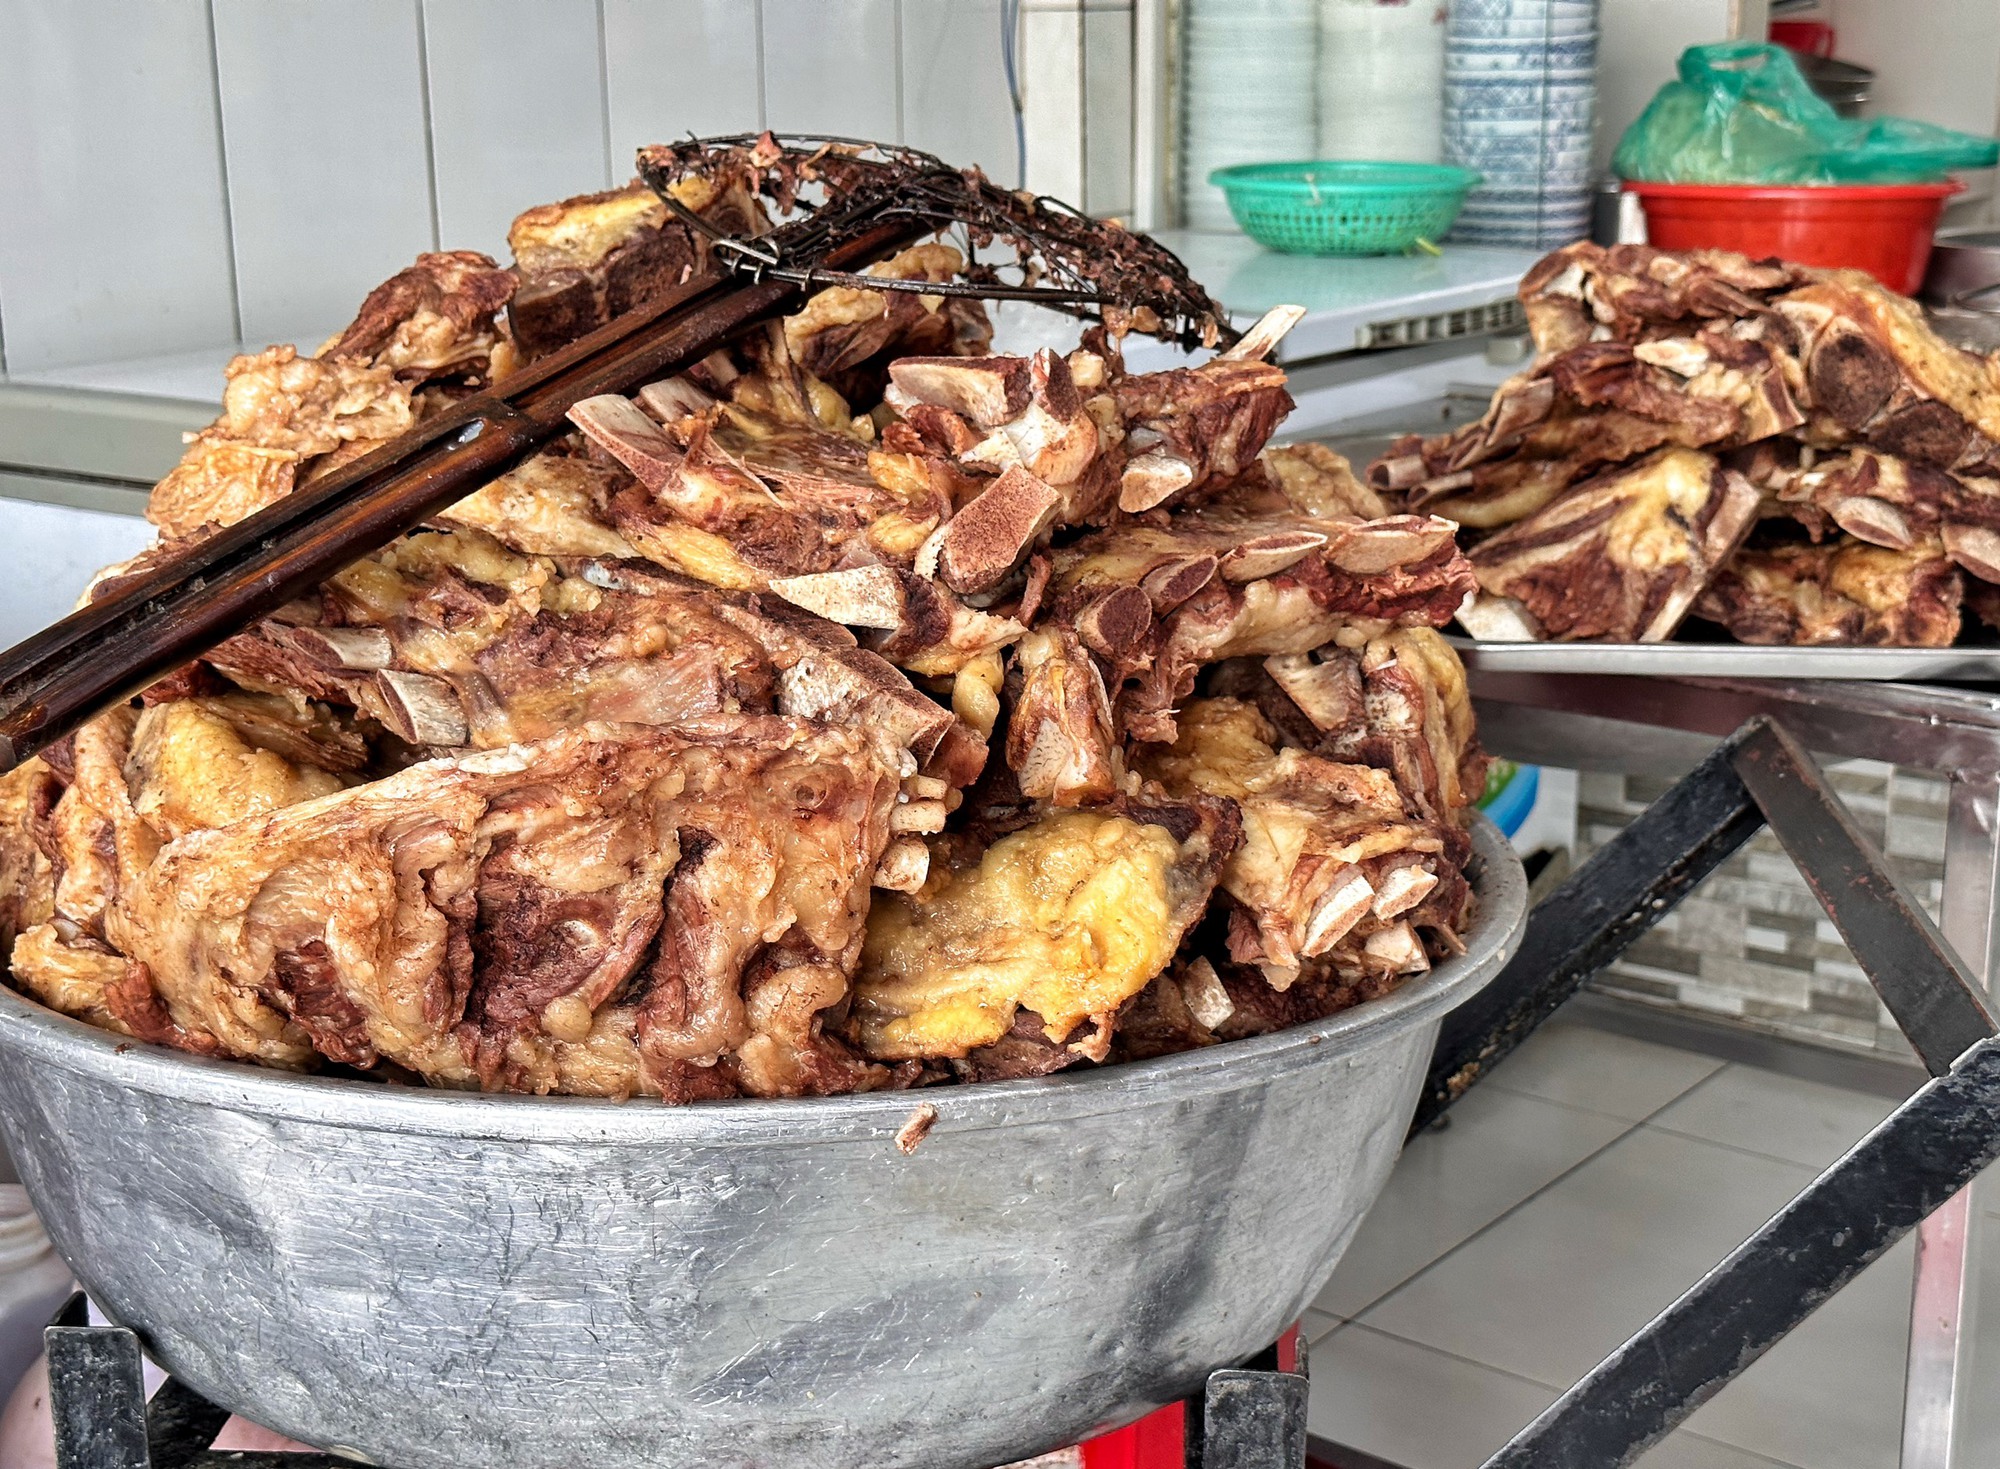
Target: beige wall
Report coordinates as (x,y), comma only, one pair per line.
(1935,60)
(1642,40)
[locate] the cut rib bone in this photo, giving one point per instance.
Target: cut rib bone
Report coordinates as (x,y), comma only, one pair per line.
(859,596)
(1151,478)
(420,709)
(986,540)
(621,428)
(987,390)
(1263,338)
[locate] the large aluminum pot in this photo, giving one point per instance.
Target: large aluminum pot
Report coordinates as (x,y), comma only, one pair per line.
(437,1280)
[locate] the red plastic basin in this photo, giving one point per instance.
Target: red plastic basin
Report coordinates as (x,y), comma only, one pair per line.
(1884,229)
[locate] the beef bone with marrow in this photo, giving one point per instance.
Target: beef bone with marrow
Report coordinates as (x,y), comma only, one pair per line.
(1621,557)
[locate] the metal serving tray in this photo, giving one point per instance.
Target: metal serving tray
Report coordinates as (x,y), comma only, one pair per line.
(1731,660)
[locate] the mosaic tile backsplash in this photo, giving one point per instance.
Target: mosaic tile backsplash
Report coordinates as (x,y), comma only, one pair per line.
(1751,944)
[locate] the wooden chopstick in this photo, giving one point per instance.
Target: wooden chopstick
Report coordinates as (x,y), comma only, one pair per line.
(111,650)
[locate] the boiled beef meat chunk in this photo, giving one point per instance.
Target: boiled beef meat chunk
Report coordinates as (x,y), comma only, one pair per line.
(845,336)
(1068,918)
(1328,849)
(658,766)
(1157,598)
(1101,439)
(554,504)
(436,318)
(1062,743)
(1586,292)
(1416,722)
(1599,403)
(1890,501)
(1565,449)
(1192,427)
(1313,478)
(452,640)
(279,411)
(1620,557)
(1877,371)
(735,498)
(286,417)
(584,260)
(474,919)
(28,797)
(1843,591)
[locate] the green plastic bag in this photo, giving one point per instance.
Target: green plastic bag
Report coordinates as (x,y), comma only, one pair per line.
(1742,114)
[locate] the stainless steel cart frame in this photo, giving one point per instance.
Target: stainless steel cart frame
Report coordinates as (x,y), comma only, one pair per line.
(1588,722)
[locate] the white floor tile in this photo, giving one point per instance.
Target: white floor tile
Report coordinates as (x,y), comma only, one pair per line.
(1779,1116)
(1318,1325)
(1500,1148)
(1499,1317)
(1422,1409)
(1684,1450)
(1551,1288)
(1613,1074)
(1830,1395)
(1413,1406)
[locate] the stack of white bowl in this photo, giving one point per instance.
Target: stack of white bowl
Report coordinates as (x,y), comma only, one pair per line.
(1247,96)
(1520,107)
(1381,80)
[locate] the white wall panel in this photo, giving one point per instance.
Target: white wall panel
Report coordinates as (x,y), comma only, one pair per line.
(323,116)
(830,66)
(114,236)
(675,67)
(517,112)
(955,100)
(1052,98)
(1938,61)
(1107,111)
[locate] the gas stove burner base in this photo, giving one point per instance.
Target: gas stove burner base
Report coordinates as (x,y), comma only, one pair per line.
(1248,1417)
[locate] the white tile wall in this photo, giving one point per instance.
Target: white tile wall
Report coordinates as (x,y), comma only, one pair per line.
(833,68)
(955,101)
(324,121)
(113,233)
(517,115)
(186,174)
(1107,110)
(1052,98)
(675,67)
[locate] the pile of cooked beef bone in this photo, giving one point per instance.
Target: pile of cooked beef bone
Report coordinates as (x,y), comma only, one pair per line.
(1788,454)
(857,709)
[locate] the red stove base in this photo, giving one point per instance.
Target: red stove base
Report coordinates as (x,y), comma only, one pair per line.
(1159,1440)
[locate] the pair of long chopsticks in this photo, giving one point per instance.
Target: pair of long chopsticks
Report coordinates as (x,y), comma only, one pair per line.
(111,650)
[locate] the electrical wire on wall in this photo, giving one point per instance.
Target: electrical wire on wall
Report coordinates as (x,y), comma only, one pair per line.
(1010,26)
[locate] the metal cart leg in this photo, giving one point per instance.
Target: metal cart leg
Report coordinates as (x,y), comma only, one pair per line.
(1913,1164)
(1943,1324)
(1627,886)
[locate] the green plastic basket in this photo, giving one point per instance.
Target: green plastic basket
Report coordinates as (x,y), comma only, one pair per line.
(1338,208)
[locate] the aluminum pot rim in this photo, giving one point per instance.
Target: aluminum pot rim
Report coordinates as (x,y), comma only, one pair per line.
(32,1034)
